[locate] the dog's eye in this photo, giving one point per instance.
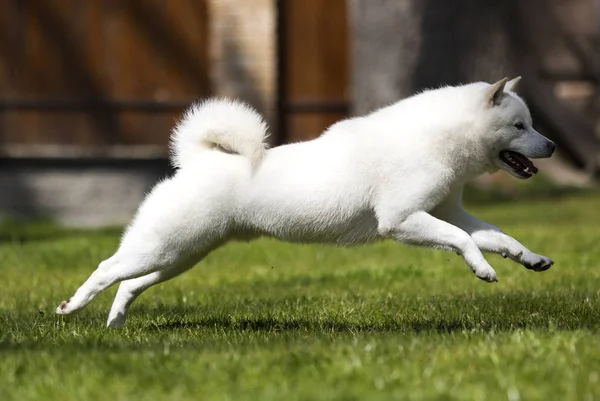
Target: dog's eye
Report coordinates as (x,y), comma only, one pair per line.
(519,126)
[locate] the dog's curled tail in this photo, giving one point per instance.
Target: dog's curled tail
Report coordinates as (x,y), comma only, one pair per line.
(221,124)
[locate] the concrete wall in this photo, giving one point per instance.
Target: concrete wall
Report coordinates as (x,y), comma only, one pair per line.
(242,51)
(83,194)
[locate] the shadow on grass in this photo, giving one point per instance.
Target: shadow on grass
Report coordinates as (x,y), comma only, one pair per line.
(564,311)
(270,324)
(415,326)
(187,325)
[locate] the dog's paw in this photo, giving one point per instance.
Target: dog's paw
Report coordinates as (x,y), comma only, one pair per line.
(487,274)
(537,263)
(115,321)
(63,308)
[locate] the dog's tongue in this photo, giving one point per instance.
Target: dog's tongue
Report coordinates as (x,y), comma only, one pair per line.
(526,162)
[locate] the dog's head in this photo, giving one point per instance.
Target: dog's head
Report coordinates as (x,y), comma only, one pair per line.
(509,132)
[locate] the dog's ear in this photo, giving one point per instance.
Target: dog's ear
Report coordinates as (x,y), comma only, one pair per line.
(495,93)
(512,85)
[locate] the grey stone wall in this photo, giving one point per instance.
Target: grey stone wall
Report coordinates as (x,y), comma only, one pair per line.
(82,194)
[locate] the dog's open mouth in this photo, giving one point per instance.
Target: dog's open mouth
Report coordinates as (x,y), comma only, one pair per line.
(519,164)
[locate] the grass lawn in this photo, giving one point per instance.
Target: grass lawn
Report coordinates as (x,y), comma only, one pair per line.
(269,320)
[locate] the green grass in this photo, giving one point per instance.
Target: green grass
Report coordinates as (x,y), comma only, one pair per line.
(268,320)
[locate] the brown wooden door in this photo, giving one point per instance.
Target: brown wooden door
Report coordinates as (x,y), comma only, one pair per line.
(89,73)
(315,69)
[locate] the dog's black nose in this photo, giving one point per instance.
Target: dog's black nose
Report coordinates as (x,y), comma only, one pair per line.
(551,147)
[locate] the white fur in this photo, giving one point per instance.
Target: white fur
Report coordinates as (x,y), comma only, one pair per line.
(396,173)
(233,126)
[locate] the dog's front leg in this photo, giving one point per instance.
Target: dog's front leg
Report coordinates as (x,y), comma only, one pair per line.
(422,229)
(491,239)
(488,238)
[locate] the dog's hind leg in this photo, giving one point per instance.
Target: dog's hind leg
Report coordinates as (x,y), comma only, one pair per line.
(117,268)
(139,270)
(129,290)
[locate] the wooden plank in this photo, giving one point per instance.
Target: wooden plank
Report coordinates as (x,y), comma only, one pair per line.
(11,58)
(163,58)
(316,54)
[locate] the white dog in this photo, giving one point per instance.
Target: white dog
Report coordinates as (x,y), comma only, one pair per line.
(396,173)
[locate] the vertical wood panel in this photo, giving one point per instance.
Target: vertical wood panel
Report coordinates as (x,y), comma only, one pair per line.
(163,57)
(11,47)
(11,58)
(316,54)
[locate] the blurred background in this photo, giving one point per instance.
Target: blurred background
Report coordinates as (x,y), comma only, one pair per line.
(90,89)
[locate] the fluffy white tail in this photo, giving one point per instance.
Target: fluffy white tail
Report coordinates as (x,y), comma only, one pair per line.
(226,125)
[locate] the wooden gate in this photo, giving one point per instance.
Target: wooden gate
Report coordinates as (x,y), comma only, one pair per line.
(108,77)
(80,76)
